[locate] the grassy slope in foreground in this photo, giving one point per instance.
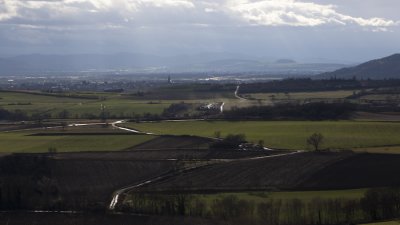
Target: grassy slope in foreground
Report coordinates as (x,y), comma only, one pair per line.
(262,197)
(385,223)
(21,142)
(288,134)
(301,195)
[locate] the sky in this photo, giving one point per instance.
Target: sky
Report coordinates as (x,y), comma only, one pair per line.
(304,30)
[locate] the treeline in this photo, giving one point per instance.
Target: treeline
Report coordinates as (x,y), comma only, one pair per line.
(57,95)
(231,141)
(206,87)
(16,115)
(26,183)
(391,92)
(377,204)
(21,115)
(176,109)
(309,85)
(311,111)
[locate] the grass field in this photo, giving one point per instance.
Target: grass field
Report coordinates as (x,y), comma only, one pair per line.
(289,134)
(262,197)
(305,196)
(366,116)
(384,223)
(115,104)
(21,142)
(381,97)
(383,149)
(303,95)
(189,92)
(119,106)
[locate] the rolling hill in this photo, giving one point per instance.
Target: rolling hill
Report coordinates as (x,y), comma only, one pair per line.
(384,68)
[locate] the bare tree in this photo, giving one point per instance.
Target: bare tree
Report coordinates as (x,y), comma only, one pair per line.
(315,140)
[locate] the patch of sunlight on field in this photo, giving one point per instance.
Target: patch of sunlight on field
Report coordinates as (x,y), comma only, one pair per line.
(116,105)
(383,149)
(303,95)
(380,97)
(21,142)
(288,134)
(384,223)
(119,107)
(301,195)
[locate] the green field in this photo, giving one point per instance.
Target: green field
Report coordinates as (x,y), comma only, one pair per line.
(385,223)
(288,134)
(21,142)
(381,97)
(383,149)
(302,95)
(280,203)
(115,104)
(305,196)
(189,92)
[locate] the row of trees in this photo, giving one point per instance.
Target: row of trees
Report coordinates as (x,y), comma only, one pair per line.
(311,111)
(377,204)
(309,85)
(176,109)
(20,115)
(26,183)
(233,141)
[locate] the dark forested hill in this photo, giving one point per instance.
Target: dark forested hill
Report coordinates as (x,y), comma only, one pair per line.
(384,68)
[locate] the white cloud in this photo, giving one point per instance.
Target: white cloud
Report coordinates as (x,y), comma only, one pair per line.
(168,3)
(297,13)
(119,13)
(63,8)
(253,12)
(8,9)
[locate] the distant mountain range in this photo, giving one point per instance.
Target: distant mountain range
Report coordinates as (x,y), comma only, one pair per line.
(384,68)
(145,63)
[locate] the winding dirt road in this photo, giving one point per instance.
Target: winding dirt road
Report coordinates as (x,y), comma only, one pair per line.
(116,195)
(237,92)
(115,125)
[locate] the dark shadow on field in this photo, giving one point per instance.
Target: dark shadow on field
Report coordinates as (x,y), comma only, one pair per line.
(166,142)
(358,171)
(25,218)
(284,172)
(304,171)
(40,181)
(188,147)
